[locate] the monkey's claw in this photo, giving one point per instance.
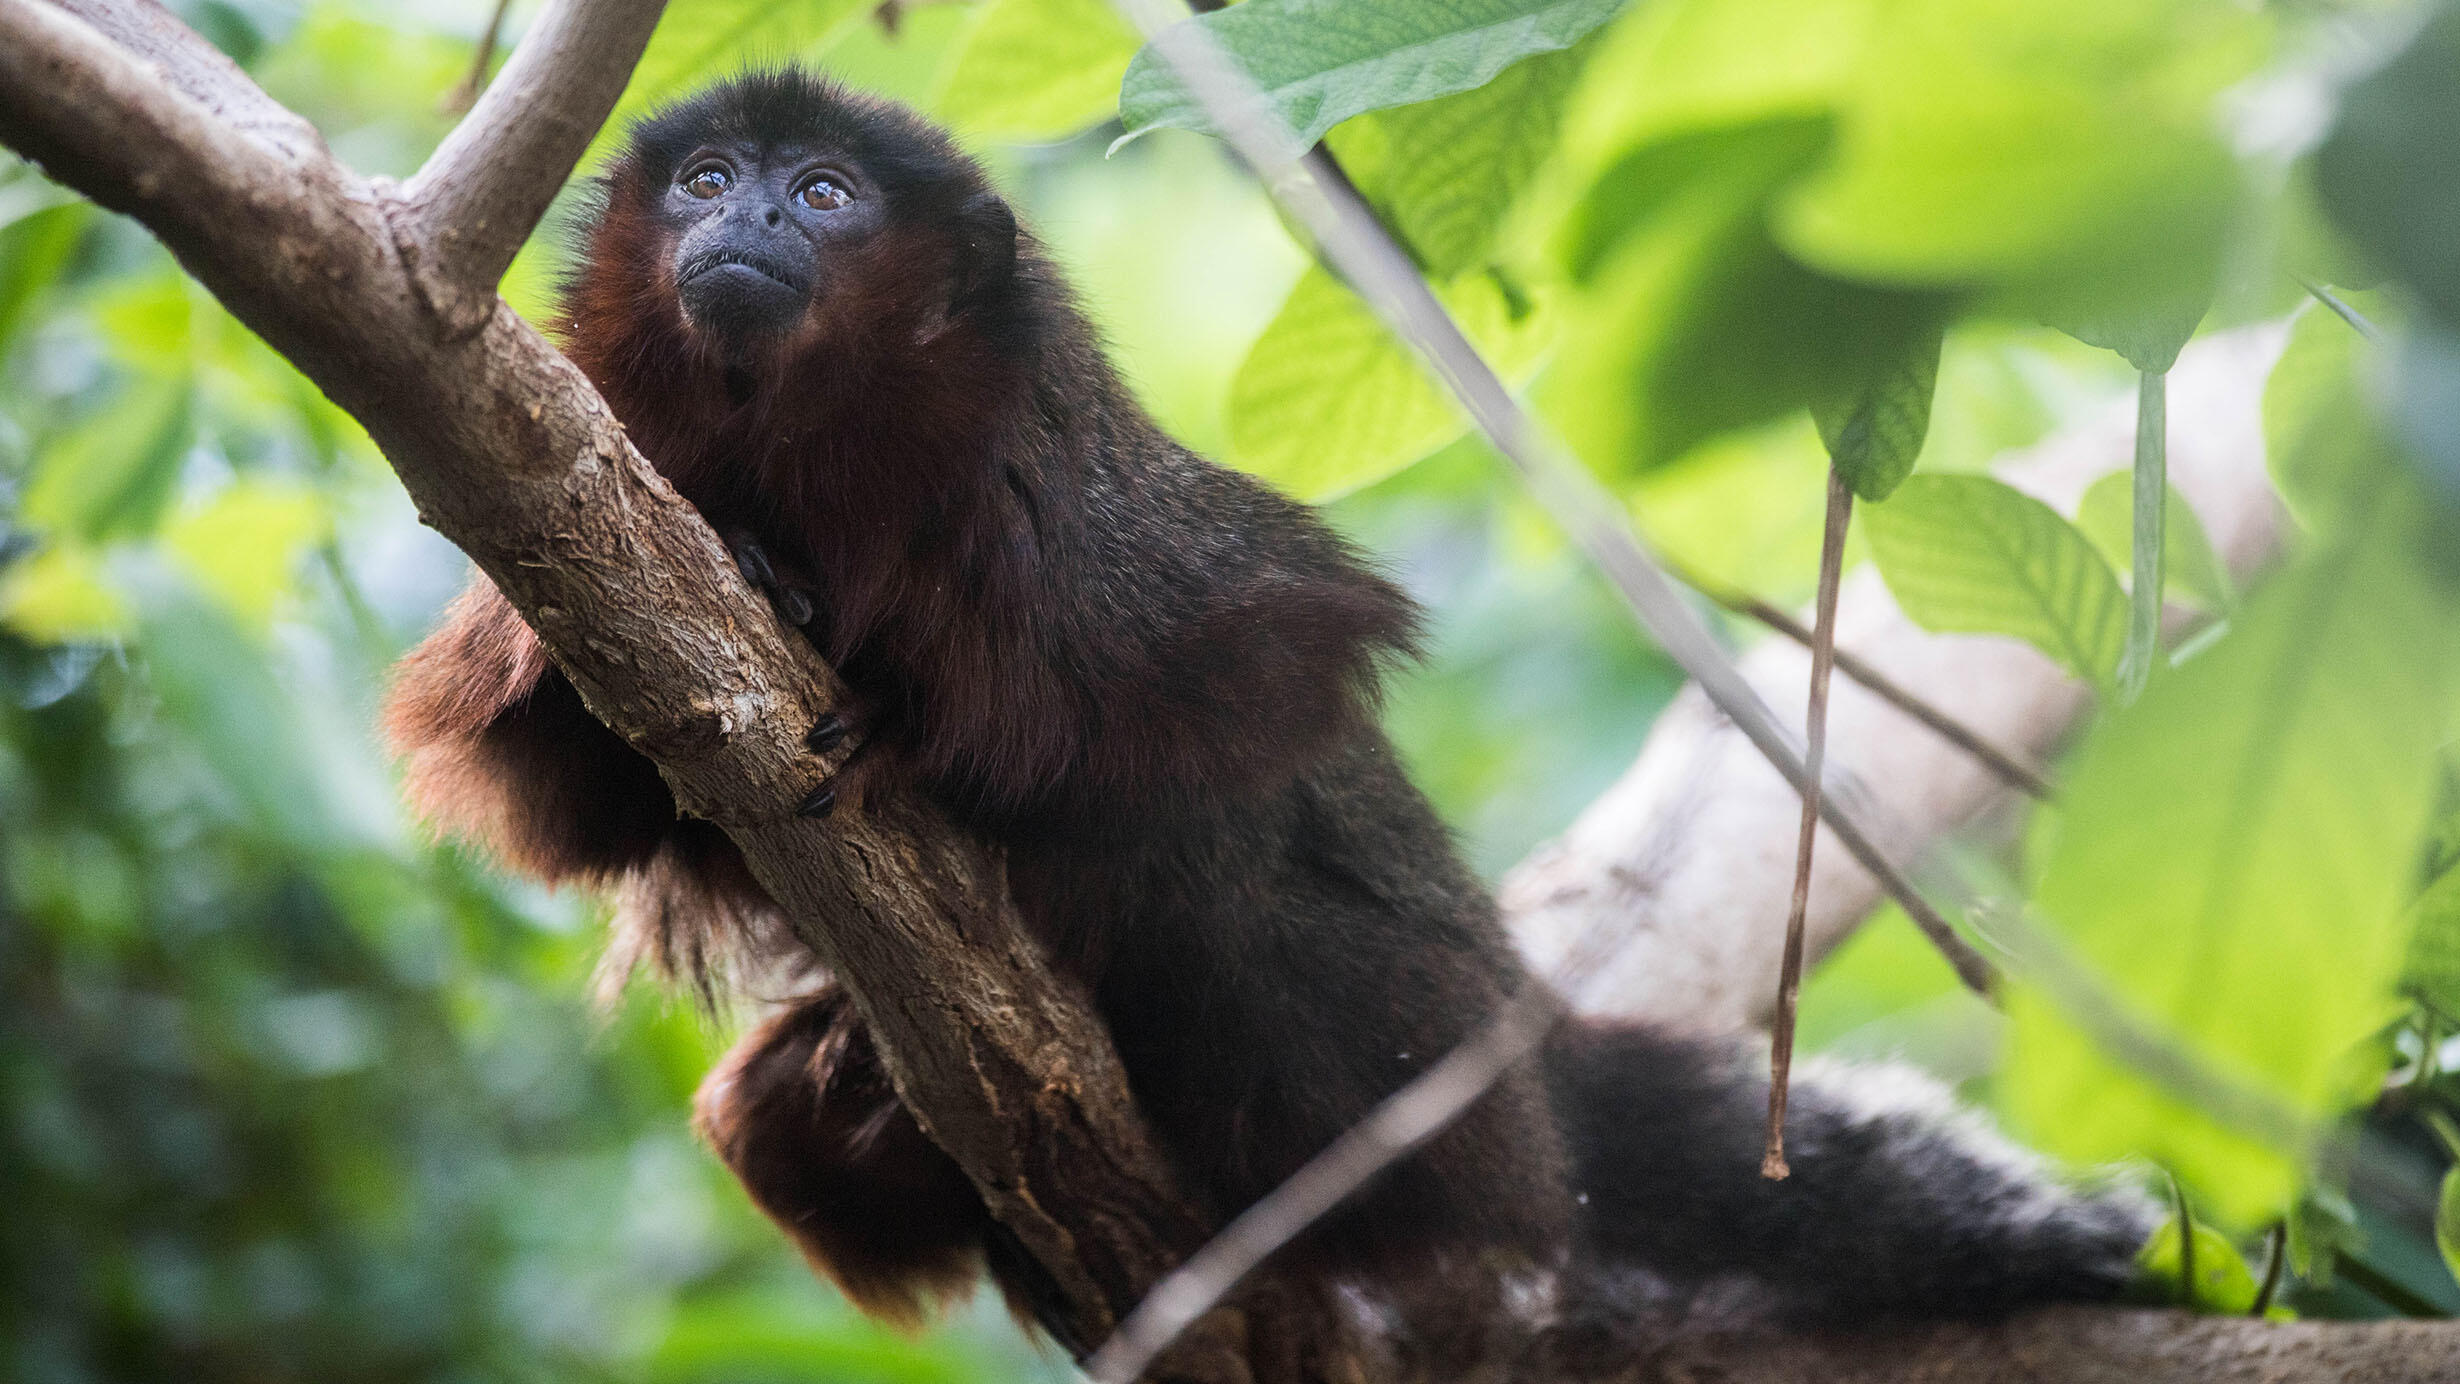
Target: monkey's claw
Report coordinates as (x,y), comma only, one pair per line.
(820,802)
(827,734)
(753,562)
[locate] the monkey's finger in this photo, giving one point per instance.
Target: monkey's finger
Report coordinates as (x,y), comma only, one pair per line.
(794,605)
(827,733)
(753,563)
(820,802)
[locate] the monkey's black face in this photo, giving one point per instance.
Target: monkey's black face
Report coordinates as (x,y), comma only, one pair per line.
(754,227)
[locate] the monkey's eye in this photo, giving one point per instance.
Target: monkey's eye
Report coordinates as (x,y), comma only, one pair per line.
(708,181)
(824,193)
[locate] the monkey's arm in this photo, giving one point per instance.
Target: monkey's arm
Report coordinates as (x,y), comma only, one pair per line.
(500,748)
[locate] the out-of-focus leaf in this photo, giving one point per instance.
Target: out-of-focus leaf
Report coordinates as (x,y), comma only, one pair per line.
(1037,69)
(2385,173)
(2433,966)
(61,595)
(33,249)
(2320,433)
(1319,62)
(1697,323)
(1676,67)
(2223,1282)
(699,41)
(2148,333)
(1973,554)
(243,545)
(1874,431)
(216,684)
(2249,828)
(2067,154)
(2447,1221)
(1327,401)
(111,475)
(2106,515)
(1445,173)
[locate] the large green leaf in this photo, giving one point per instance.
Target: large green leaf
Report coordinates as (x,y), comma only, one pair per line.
(2234,861)
(111,475)
(1445,173)
(1327,401)
(1696,323)
(2067,154)
(699,41)
(1973,554)
(2385,173)
(1037,69)
(2106,515)
(1319,62)
(2321,436)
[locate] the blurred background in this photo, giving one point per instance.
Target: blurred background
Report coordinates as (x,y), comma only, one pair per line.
(290,1092)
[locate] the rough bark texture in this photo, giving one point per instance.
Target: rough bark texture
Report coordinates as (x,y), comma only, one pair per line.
(508,451)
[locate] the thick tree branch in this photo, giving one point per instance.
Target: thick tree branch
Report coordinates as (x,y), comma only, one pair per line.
(508,451)
(486,185)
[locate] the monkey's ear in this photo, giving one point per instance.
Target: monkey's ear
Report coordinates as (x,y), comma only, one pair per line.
(985,251)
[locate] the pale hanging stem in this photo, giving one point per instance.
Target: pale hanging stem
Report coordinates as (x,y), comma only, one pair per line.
(2152,495)
(1815,751)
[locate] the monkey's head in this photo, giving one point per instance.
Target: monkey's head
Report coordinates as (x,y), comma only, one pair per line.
(776,213)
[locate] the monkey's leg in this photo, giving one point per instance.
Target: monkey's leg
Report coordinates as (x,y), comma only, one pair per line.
(802,1111)
(1898,1204)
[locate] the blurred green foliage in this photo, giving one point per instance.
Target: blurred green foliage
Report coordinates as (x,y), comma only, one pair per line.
(291,1093)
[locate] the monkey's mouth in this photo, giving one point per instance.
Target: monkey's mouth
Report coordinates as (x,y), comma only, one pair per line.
(739,294)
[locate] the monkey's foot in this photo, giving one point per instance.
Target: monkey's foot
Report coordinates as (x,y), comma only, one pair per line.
(792,599)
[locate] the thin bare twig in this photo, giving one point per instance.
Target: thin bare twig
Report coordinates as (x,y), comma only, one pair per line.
(466,90)
(2015,773)
(1815,753)
(1356,245)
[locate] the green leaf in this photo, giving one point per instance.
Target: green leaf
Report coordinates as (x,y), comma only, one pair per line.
(1319,62)
(1874,433)
(2321,436)
(2148,332)
(2223,1282)
(2247,830)
(1973,554)
(1444,174)
(1033,70)
(1696,323)
(2447,1221)
(700,41)
(2067,155)
(242,546)
(1327,401)
(61,595)
(2433,966)
(2106,515)
(34,248)
(2385,173)
(111,475)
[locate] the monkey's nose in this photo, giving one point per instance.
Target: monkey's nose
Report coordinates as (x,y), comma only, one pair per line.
(772,217)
